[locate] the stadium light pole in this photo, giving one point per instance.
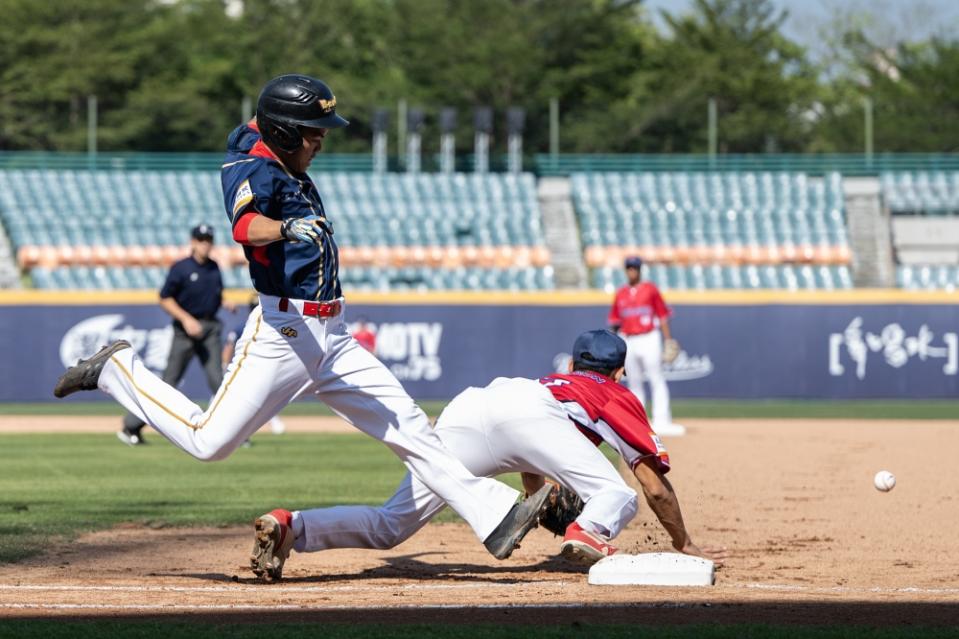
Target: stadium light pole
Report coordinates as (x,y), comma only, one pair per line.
(713,133)
(483,123)
(554,129)
(381,122)
(448,140)
(92,126)
(867,132)
(515,123)
(401,130)
(414,124)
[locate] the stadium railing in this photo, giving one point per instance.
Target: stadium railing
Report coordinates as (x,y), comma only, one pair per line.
(542,164)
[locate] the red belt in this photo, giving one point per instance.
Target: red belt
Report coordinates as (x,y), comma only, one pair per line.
(314,309)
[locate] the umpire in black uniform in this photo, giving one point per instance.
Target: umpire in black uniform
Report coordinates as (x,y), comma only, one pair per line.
(192,295)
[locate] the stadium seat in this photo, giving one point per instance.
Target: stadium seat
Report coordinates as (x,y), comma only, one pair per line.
(389,220)
(921,192)
(724,218)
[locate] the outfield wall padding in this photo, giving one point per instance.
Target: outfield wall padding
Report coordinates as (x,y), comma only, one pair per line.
(736,351)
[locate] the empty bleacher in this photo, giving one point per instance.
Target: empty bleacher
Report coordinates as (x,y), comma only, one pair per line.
(697,230)
(921,192)
(928,277)
(716,230)
(792,277)
(120,229)
(924,208)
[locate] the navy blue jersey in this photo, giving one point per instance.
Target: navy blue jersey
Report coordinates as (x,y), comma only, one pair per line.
(255,181)
(197,288)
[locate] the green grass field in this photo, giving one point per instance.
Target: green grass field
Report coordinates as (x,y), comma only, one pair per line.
(58,486)
(683,408)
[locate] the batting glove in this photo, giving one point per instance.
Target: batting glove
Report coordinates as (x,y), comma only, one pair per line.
(305,229)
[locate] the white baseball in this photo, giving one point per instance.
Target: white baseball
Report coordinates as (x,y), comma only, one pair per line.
(884,481)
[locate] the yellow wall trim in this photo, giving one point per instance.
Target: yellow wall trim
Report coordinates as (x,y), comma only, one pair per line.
(508,298)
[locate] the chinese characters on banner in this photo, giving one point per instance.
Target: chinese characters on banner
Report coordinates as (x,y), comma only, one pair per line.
(894,345)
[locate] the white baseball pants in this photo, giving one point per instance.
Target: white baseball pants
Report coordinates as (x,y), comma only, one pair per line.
(512,425)
(281,355)
(644,361)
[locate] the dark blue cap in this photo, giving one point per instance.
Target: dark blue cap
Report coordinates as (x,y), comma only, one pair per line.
(634,261)
(601,348)
(202,232)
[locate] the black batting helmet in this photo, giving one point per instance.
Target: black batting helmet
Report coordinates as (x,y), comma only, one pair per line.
(291,101)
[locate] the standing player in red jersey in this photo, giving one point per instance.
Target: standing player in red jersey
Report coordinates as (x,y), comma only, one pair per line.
(641,317)
(364,335)
(551,426)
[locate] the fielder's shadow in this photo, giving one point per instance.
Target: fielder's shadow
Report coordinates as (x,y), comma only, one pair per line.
(410,567)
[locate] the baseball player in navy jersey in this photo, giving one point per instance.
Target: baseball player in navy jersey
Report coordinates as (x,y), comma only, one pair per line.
(642,319)
(296,341)
(551,426)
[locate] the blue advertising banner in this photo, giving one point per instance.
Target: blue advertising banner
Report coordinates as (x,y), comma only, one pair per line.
(728,350)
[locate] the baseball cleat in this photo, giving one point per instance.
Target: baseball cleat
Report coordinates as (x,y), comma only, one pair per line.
(272,543)
(583,547)
(522,518)
(131,438)
(86,372)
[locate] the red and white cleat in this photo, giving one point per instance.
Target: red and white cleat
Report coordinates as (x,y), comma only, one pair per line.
(583,547)
(272,543)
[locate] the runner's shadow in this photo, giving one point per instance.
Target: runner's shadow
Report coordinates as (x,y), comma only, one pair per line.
(410,567)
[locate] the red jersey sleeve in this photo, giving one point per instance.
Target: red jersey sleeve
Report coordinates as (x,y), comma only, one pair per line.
(606,411)
(626,416)
(659,304)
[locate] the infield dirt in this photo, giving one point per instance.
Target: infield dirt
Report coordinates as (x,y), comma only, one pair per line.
(812,541)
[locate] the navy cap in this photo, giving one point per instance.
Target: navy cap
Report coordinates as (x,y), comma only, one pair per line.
(601,348)
(202,232)
(634,261)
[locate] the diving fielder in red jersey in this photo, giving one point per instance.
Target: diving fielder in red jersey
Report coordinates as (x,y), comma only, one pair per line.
(551,426)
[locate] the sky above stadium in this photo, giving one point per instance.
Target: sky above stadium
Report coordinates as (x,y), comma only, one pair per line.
(886,21)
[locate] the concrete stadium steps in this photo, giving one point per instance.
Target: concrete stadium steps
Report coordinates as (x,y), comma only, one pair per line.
(869,233)
(562,232)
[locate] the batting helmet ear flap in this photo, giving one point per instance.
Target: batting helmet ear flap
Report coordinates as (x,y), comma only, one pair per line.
(285,137)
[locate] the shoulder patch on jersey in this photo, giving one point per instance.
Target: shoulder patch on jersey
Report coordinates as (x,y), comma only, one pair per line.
(660,449)
(244,195)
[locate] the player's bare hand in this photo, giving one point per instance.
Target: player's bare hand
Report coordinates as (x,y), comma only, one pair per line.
(192,327)
(304,229)
(716,554)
